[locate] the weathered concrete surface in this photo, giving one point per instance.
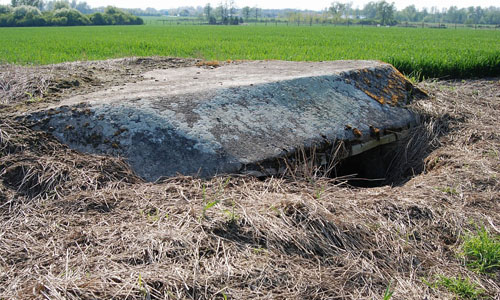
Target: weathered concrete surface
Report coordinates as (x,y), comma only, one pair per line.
(225,120)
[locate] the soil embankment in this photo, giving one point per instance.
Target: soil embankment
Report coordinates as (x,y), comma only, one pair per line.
(84,226)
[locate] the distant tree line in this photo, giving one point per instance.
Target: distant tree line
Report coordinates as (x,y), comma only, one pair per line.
(61,13)
(385,13)
(224,14)
(373,13)
(454,15)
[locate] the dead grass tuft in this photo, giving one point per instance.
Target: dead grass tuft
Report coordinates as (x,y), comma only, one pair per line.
(410,154)
(5,143)
(19,83)
(35,165)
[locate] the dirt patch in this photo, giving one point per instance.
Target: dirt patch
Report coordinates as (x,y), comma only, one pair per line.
(81,226)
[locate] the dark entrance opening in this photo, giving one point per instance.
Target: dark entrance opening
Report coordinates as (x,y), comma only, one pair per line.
(392,163)
(369,169)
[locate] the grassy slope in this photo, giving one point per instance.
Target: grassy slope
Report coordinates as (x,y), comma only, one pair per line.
(426,52)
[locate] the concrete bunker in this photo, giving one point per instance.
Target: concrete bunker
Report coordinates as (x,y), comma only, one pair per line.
(239,118)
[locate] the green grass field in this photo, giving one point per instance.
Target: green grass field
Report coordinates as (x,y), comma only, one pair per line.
(426,52)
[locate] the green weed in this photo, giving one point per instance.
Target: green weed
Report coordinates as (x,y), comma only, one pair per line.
(319,192)
(461,287)
(142,287)
(388,293)
(415,76)
(32,98)
(492,153)
(448,190)
(481,251)
(260,251)
(231,214)
(214,200)
(152,214)
(275,210)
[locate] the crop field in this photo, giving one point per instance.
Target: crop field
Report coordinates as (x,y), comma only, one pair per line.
(417,52)
(83,226)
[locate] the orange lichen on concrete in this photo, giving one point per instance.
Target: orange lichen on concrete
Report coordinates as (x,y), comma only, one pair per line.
(394,100)
(386,87)
(397,79)
(379,99)
(357,133)
(210,63)
(398,76)
(396,83)
(374,132)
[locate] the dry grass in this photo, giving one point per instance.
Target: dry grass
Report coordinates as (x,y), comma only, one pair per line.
(21,83)
(38,167)
(79,226)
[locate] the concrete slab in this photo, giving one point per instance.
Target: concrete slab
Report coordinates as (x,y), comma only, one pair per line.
(230,119)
